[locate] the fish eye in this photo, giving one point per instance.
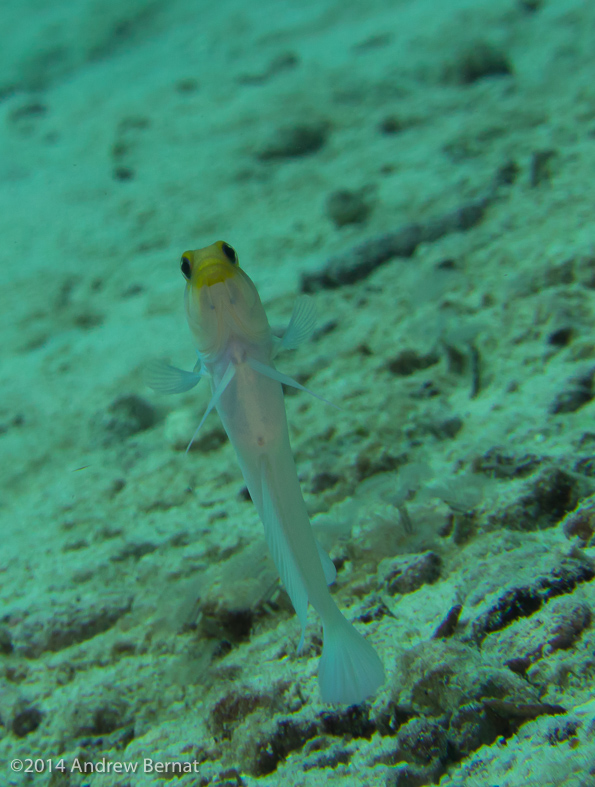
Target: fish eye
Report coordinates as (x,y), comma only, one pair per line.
(185,267)
(230,253)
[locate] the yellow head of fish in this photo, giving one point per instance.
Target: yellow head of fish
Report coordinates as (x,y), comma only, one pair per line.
(221,300)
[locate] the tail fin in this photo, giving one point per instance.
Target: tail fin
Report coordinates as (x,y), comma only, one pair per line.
(350,669)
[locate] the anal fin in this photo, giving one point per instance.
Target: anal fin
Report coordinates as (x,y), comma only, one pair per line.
(330,571)
(280,550)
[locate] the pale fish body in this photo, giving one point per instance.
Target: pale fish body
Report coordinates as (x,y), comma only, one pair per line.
(236,349)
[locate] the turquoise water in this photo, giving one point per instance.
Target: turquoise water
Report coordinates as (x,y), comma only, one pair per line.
(424,172)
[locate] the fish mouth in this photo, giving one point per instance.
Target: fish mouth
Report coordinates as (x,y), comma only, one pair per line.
(212,271)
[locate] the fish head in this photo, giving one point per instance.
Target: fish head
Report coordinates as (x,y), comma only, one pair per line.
(221,300)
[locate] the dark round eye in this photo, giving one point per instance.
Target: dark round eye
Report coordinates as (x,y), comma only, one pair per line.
(230,253)
(185,267)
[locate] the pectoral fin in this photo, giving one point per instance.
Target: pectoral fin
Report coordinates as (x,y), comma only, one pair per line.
(302,323)
(167,379)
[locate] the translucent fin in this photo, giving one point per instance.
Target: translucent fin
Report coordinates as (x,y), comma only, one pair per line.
(330,572)
(277,346)
(268,371)
(281,552)
(223,383)
(350,670)
(167,379)
(302,323)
